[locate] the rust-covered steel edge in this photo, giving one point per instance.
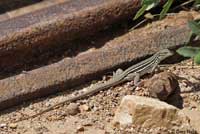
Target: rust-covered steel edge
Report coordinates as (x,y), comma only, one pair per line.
(69,72)
(25,36)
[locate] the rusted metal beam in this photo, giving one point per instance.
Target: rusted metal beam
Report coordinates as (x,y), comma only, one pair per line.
(7,5)
(28,9)
(170,32)
(24,36)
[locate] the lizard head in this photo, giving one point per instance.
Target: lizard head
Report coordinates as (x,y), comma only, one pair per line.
(164,53)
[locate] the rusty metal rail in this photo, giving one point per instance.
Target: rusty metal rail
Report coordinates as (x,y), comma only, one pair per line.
(170,32)
(25,35)
(29,7)
(7,5)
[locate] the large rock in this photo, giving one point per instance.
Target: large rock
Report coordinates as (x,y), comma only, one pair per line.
(194,117)
(162,85)
(148,112)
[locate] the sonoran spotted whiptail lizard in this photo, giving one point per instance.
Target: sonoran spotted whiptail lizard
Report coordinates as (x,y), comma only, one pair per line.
(132,73)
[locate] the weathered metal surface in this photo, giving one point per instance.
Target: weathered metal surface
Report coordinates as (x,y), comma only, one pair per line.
(7,5)
(28,8)
(27,35)
(170,32)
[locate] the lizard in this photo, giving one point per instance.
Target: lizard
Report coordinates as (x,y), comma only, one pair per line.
(132,73)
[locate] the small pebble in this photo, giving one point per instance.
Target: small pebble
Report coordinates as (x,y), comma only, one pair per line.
(72,109)
(80,128)
(87,124)
(31,107)
(3,125)
(84,108)
(13,125)
(47,104)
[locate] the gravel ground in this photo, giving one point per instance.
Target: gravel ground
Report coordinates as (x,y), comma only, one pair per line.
(95,114)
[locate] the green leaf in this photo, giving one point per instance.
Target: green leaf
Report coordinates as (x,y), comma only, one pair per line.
(150,6)
(146,5)
(166,8)
(197,58)
(197,2)
(195,27)
(188,51)
(150,2)
(140,12)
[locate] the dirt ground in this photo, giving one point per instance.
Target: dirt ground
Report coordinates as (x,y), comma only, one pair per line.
(94,114)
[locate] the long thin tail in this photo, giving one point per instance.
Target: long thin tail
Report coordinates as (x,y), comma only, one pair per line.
(94,90)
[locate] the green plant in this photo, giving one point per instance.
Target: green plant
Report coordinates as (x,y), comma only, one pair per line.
(149,4)
(189,51)
(197,2)
(166,8)
(186,51)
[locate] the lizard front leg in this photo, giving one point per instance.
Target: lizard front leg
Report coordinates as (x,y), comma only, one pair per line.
(133,77)
(118,72)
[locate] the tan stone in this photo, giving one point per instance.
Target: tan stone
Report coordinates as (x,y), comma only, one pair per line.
(72,109)
(84,108)
(147,112)
(13,125)
(194,117)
